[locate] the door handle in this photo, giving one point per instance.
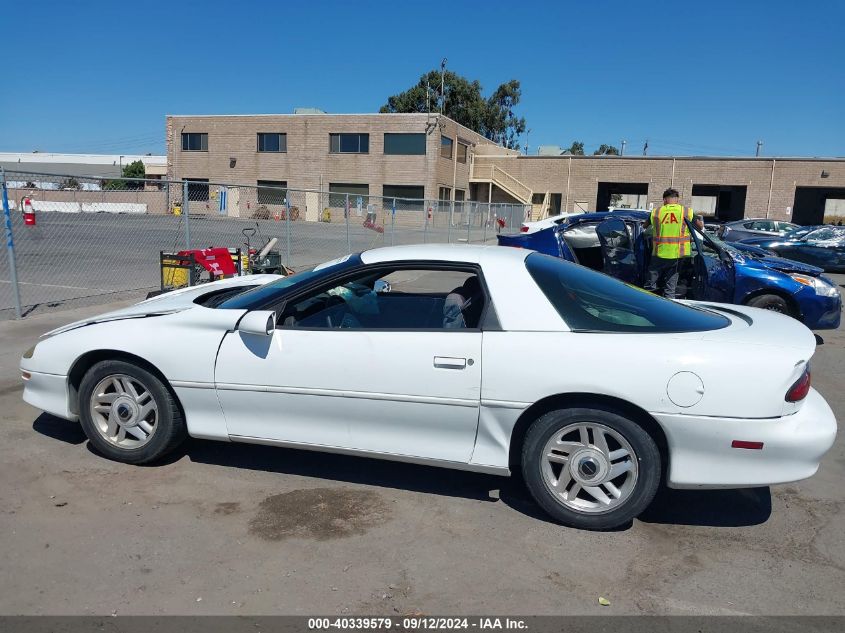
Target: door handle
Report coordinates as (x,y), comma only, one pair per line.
(448,362)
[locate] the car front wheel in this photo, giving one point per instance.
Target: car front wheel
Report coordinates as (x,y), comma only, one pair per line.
(590,468)
(128,413)
(775,303)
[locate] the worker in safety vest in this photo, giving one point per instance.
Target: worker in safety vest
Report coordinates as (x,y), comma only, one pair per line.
(671,243)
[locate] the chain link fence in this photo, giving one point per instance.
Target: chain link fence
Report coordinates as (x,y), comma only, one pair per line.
(81,241)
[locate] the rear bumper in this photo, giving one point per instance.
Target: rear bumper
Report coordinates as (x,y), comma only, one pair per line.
(701,456)
(48,392)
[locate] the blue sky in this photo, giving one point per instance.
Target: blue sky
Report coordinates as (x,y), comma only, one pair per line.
(692,78)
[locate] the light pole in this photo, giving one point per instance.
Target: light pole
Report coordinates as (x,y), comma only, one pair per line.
(759,147)
(121,166)
(442,82)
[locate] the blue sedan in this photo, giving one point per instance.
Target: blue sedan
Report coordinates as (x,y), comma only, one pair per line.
(618,244)
(822,246)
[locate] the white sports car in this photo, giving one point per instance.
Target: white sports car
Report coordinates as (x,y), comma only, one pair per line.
(472,357)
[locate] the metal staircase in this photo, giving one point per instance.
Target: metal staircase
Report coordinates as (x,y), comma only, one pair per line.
(503,180)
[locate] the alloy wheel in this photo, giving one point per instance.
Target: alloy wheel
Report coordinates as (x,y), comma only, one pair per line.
(124,411)
(589,467)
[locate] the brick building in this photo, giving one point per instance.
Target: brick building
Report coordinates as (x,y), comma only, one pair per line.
(431,156)
(392,155)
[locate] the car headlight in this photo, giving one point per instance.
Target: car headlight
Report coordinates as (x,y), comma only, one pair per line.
(821,287)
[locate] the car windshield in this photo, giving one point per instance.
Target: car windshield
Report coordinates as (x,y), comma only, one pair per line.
(261,296)
(589,301)
(827,234)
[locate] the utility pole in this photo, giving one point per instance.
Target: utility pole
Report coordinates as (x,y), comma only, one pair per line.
(442,84)
(759,147)
(624,143)
(527,132)
(645,148)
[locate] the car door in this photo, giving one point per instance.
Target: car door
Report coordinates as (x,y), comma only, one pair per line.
(352,367)
(714,270)
(617,250)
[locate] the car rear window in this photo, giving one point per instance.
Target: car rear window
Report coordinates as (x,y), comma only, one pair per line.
(589,301)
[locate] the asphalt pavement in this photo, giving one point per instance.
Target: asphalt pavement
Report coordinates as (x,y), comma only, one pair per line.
(240,529)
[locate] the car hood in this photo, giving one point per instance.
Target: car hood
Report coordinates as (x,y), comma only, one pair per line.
(758,241)
(169,302)
(773,262)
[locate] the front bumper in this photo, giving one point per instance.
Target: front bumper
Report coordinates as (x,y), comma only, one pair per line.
(819,313)
(48,392)
(701,456)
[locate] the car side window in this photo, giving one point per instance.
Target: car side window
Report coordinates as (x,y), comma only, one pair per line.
(384,298)
(763,225)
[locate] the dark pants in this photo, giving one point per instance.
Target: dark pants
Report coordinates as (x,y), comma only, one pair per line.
(663,275)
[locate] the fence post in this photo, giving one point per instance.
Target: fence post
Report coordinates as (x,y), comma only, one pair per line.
(393,222)
(10,248)
(287,229)
(167,197)
(185,213)
(469,221)
(485,221)
(346,215)
(451,219)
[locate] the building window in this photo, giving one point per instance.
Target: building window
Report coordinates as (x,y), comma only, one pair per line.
(194,142)
(462,152)
(197,189)
(445,193)
(338,191)
(446,147)
(406,144)
(460,195)
(412,192)
(272,142)
(349,143)
(272,191)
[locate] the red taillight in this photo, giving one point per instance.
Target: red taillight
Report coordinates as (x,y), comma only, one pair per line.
(523,229)
(801,388)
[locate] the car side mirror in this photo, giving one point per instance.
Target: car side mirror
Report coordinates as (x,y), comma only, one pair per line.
(258,322)
(381,286)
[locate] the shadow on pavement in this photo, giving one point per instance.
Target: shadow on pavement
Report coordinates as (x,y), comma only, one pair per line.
(713,508)
(718,508)
(58,429)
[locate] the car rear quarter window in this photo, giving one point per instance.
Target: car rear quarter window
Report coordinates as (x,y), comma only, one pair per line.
(589,301)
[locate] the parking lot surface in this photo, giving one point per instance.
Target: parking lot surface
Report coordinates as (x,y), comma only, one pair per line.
(242,529)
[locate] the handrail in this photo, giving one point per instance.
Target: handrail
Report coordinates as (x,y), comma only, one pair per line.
(502,179)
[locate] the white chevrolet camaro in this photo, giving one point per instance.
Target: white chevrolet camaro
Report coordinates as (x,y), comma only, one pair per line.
(471,357)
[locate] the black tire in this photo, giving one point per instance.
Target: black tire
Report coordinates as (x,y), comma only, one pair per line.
(170,427)
(648,463)
(775,303)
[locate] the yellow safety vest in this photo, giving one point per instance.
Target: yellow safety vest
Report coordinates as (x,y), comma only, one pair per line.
(671,233)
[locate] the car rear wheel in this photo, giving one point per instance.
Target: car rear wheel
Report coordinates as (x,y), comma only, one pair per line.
(128,413)
(590,468)
(775,303)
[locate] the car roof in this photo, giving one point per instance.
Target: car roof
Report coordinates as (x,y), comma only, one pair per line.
(469,253)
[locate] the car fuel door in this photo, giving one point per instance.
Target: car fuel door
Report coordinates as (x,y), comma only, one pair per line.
(714,272)
(619,258)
